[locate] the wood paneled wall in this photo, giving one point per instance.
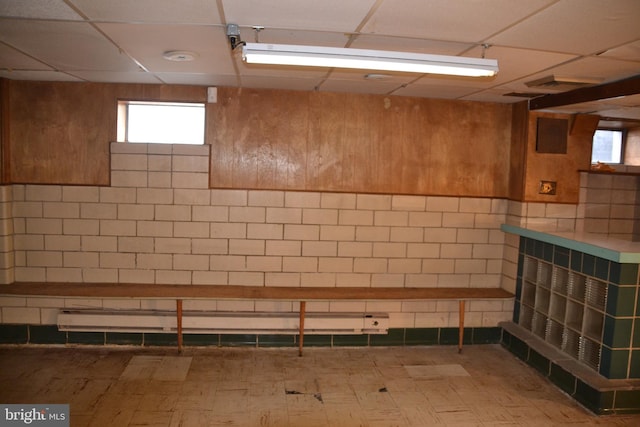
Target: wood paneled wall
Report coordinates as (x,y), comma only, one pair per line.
(59,133)
(267,139)
(562,168)
(518,155)
(4,131)
(632,147)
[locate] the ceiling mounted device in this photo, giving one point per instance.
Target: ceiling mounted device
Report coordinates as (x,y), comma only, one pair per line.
(363,59)
(180,55)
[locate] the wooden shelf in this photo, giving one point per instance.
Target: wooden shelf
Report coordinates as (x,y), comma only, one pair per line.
(172,291)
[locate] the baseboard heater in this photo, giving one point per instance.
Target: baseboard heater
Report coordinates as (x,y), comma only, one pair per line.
(197,322)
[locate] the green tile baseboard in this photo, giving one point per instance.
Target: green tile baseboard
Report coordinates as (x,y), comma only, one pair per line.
(600,395)
(49,334)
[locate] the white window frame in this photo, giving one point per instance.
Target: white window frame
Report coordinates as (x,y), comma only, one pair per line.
(169,134)
(623,135)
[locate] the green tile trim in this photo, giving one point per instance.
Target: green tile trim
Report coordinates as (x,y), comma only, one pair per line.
(561,256)
(151,339)
(617,332)
(627,400)
(629,274)
(563,379)
(451,336)
(421,336)
(95,338)
(596,401)
(602,269)
(519,348)
(238,340)
(350,340)
(506,339)
(277,340)
(634,371)
(539,362)
(618,300)
(14,334)
(201,340)
(317,341)
(600,402)
(394,337)
(124,338)
(626,411)
(486,335)
(46,334)
(49,334)
(614,363)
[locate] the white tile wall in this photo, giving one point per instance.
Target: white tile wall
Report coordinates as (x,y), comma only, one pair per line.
(159,223)
(610,204)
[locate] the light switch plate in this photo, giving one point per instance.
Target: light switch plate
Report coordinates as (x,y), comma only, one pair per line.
(212,95)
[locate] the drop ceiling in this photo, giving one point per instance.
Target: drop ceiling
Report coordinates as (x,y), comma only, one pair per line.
(123,41)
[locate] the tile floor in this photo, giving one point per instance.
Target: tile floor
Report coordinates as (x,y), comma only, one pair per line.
(394,386)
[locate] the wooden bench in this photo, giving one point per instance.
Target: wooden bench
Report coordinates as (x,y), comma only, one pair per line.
(302,295)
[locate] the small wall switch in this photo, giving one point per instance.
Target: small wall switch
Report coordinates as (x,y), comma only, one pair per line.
(212,95)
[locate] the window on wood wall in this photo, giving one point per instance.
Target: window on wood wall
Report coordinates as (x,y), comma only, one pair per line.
(607,146)
(161,122)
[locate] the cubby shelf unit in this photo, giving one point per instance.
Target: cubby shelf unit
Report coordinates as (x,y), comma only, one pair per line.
(564,308)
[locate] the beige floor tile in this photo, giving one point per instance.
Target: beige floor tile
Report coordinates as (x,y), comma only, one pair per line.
(172,369)
(151,418)
(343,387)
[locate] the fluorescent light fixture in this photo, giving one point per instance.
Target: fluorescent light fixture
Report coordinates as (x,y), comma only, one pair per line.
(363,59)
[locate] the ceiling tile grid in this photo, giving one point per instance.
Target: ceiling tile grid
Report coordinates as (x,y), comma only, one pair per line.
(125,41)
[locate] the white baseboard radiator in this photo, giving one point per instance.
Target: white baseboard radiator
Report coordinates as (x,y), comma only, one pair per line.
(200,322)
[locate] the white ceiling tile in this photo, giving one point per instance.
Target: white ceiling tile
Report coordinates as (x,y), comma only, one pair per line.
(198,79)
(359,75)
(297,37)
(612,107)
(493,95)
(462,21)
(629,52)
(147,43)
(576,26)
(325,15)
(530,39)
(622,112)
(117,77)
(145,11)
(597,67)
(54,76)
(627,101)
(65,45)
(514,63)
(356,81)
(359,86)
(13,59)
(276,83)
(434,91)
(406,44)
(38,9)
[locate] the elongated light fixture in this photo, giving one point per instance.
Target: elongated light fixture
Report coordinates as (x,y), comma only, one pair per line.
(363,59)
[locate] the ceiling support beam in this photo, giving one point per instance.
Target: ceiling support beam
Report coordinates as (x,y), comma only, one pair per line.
(629,86)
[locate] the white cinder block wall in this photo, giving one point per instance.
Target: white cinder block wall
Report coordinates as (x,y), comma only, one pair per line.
(610,204)
(159,222)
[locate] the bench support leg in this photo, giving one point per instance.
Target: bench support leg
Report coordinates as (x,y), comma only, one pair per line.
(179,323)
(303,306)
(461,327)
